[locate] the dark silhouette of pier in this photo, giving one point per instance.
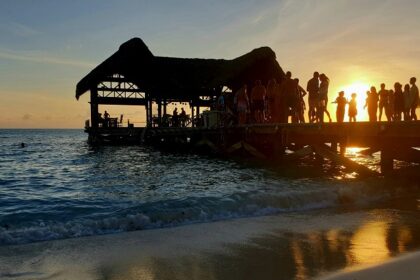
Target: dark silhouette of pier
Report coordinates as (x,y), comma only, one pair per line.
(134,76)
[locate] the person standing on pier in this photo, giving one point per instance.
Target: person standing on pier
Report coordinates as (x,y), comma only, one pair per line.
(323,98)
(313,89)
(414,93)
(383,100)
(288,95)
(398,101)
(242,104)
(258,95)
(300,103)
(175,118)
(106,119)
(389,109)
(407,102)
(341,102)
(353,108)
(372,104)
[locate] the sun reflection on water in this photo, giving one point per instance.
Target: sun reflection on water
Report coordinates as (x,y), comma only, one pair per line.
(368,244)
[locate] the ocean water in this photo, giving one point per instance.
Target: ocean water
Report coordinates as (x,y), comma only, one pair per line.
(58,187)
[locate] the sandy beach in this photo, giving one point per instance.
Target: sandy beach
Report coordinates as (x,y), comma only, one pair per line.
(291,246)
(404,267)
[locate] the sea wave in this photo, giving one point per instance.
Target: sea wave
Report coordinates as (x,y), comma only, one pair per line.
(177,212)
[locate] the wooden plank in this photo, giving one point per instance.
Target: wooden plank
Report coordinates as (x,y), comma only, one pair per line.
(253,151)
(325,151)
(305,151)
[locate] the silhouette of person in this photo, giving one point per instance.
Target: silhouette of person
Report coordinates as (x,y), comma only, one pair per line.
(300,106)
(407,102)
(175,118)
(106,119)
(182,117)
(414,93)
(341,102)
(372,104)
(258,95)
(389,109)
(242,104)
(398,101)
(289,96)
(353,108)
(323,98)
(383,100)
(313,89)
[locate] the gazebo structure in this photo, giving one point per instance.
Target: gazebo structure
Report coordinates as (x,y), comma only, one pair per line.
(134,76)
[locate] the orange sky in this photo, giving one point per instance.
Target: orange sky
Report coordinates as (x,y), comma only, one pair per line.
(44,54)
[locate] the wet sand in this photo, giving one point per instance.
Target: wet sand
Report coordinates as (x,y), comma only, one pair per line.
(288,246)
(405,267)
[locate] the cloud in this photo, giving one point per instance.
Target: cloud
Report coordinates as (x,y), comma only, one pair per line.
(19,30)
(43,58)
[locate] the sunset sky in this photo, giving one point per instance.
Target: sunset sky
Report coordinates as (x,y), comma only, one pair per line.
(46,47)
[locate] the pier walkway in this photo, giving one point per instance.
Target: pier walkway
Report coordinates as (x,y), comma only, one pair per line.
(394,140)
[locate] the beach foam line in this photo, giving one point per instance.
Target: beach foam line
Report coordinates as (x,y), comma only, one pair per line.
(403,267)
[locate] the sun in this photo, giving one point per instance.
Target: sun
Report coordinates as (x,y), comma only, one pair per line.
(360,89)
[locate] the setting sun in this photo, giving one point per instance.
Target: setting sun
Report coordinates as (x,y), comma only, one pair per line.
(360,89)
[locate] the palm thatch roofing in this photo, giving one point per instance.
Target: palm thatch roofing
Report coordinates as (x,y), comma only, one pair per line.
(182,77)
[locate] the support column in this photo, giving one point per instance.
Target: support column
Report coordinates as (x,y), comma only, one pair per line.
(150,107)
(146,107)
(334,146)
(343,148)
(160,111)
(94,108)
(387,161)
(192,116)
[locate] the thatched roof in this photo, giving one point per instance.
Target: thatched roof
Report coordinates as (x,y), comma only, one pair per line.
(167,76)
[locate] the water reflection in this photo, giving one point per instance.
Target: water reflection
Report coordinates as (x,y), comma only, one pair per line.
(289,255)
(368,244)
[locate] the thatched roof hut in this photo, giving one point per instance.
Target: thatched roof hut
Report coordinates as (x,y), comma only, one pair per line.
(182,79)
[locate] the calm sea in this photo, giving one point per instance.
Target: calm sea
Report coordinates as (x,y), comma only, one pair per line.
(60,187)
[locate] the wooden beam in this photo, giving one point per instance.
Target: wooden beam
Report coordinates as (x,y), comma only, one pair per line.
(305,151)
(325,151)
(121,101)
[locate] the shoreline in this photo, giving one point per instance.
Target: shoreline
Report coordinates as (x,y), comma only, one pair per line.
(289,246)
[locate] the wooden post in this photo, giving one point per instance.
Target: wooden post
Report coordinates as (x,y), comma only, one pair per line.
(146,107)
(149,122)
(160,112)
(334,146)
(94,107)
(387,161)
(192,115)
(342,148)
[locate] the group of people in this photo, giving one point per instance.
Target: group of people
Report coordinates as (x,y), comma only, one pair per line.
(398,104)
(277,102)
(178,120)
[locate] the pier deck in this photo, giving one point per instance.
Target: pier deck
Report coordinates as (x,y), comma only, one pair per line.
(395,140)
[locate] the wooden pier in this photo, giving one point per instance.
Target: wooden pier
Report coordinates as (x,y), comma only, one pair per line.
(134,76)
(269,142)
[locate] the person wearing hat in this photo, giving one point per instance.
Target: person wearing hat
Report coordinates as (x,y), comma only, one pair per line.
(341,102)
